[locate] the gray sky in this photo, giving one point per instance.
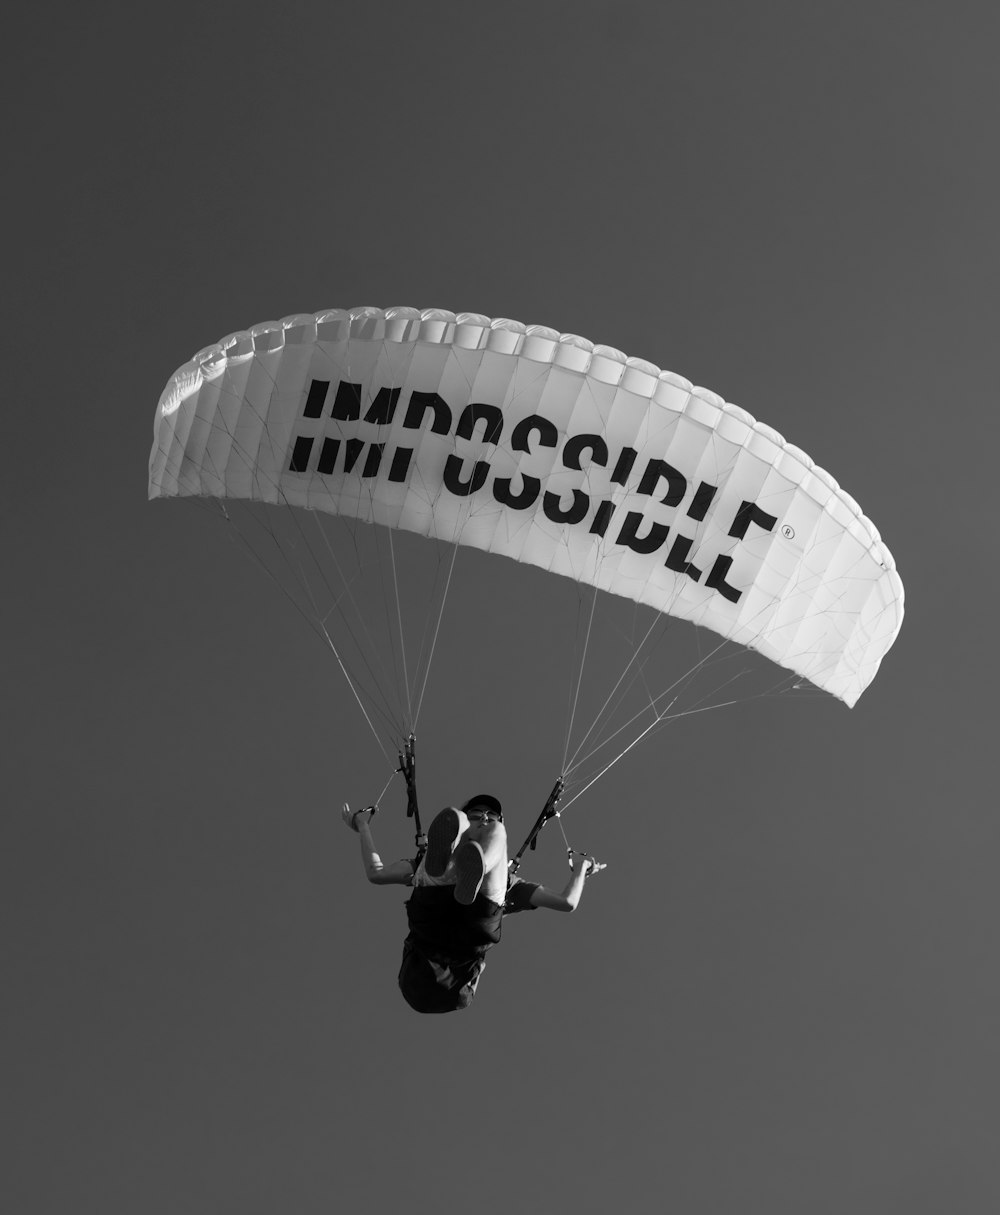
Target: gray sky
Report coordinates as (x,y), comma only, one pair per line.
(782,994)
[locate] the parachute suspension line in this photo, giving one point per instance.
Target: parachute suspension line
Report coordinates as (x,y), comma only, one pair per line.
(608,715)
(313,620)
(315,623)
(681,681)
(385,599)
(300,578)
(354,691)
(437,628)
(579,681)
(370,646)
(628,666)
(579,793)
(393,703)
(411,724)
(421,665)
(382,431)
(392,777)
(665,718)
(385,710)
(423,678)
(603,736)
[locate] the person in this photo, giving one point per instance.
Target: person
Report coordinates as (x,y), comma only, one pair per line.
(462,889)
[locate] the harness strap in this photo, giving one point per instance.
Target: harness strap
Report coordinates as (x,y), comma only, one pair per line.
(548,811)
(408,767)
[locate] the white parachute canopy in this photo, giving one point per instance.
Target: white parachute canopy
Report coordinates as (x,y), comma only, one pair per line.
(544,448)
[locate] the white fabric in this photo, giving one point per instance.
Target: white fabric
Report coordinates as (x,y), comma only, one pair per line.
(815,589)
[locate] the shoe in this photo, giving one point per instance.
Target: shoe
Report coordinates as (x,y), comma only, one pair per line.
(444,830)
(470,869)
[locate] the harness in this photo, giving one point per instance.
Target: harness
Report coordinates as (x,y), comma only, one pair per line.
(408,769)
(549,811)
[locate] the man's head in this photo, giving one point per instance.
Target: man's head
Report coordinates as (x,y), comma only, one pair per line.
(483,808)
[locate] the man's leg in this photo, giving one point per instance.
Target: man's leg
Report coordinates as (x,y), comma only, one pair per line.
(481,863)
(446,829)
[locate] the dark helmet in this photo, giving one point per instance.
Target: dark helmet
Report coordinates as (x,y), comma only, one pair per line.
(487,801)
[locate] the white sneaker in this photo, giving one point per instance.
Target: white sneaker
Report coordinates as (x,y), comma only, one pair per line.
(470,869)
(444,830)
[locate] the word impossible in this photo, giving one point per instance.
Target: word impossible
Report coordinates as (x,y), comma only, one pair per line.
(344,455)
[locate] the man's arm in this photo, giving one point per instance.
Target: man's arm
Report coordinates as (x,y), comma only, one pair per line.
(569,899)
(397,874)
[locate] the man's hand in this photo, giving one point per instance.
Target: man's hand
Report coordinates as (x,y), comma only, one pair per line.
(359,821)
(581,867)
(354,817)
(588,865)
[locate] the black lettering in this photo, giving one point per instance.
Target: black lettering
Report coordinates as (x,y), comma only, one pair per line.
(677,558)
(552,505)
(623,465)
(602,518)
(580,443)
(316,398)
(352,451)
(416,411)
(748,513)
(453,476)
(548,436)
(400,465)
(660,470)
(347,405)
(373,460)
(527,497)
(300,454)
(383,408)
(476,412)
(717,579)
(328,456)
(648,543)
(702,500)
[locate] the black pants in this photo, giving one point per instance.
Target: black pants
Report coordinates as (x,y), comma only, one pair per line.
(444,953)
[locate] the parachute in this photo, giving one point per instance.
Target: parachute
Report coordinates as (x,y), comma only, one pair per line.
(543,448)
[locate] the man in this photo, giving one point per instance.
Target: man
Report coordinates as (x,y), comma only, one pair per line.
(461,892)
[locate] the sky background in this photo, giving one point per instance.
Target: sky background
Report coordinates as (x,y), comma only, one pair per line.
(782,994)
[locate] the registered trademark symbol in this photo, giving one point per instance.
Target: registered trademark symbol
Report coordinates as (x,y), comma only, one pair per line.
(788,531)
